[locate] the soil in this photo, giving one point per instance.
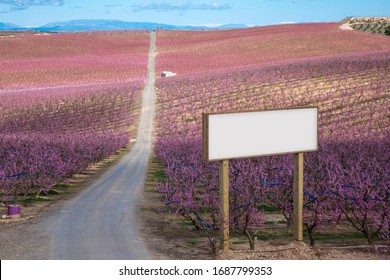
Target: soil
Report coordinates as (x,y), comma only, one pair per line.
(346,26)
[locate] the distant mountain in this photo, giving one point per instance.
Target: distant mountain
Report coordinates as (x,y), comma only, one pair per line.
(9,26)
(231,26)
(100,24)
(88,24)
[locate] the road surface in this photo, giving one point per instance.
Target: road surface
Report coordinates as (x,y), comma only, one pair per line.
(100,223)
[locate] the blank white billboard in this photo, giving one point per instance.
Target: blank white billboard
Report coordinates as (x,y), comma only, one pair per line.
(249,134)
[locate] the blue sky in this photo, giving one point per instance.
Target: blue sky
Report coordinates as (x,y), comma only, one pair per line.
(32,13)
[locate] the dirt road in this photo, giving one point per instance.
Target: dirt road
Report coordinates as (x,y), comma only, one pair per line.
(101,223)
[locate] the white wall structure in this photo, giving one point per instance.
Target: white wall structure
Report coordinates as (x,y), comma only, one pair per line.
(166,74)
(249,134)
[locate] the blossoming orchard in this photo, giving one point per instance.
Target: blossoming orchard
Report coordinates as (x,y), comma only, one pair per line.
(70,100)
(345,181)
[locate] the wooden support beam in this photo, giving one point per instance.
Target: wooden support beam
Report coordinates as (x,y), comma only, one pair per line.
(224,203)
(298,197)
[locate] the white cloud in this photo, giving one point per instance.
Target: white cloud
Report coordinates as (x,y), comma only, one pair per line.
(286,22)
(12,5)
(179,6)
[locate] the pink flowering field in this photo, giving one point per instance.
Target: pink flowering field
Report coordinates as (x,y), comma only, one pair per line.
(66,101)
(198,51)
(346,74)
(71,58)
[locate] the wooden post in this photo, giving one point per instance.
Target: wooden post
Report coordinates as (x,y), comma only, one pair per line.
(224,203)
(298,197)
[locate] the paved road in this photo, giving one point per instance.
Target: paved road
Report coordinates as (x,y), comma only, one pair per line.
(101,223)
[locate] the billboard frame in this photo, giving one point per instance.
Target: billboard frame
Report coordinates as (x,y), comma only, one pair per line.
(224,176)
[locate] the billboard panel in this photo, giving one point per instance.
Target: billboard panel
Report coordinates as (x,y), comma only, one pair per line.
(250,134)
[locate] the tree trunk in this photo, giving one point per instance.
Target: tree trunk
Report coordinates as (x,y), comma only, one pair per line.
(251,239)
(311,238)
(369,238)
(310,232)
(193,221)
(213,247)
(289,222)
(368,234)
(252,245)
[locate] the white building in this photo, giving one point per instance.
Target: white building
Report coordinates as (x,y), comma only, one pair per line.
(166,74)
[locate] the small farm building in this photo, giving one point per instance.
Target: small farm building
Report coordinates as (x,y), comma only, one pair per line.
(166,74)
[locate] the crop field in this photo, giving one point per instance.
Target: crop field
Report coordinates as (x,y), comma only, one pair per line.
(345,73)
(66,101)
(71,58)
(198,51)
(69,100)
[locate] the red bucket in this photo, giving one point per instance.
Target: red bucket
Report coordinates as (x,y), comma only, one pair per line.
(14,211)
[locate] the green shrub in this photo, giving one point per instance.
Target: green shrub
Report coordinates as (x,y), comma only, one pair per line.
(387,30)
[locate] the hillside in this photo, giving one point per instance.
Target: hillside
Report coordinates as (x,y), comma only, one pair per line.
(42,59)
(190,52)
(376,25)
